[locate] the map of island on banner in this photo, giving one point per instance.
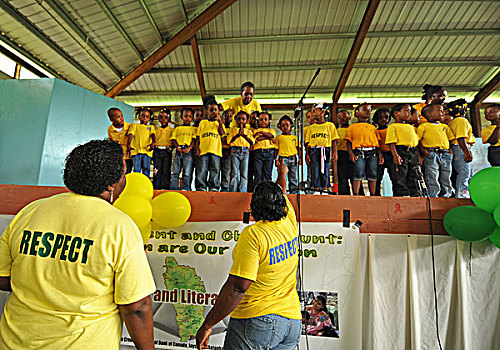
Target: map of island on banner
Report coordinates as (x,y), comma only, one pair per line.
(191,263)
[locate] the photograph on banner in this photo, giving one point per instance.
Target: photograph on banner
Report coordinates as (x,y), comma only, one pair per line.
(320,315)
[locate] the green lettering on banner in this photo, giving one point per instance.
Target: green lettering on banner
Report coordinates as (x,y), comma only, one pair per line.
(45,250)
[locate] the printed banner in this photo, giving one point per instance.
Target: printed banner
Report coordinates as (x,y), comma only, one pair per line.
(191,263)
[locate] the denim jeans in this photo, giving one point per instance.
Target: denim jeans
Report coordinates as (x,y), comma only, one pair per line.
(162,161)
(291,163)
(365,167)
(437,167)
(464,172)
(263,165)
(319,178)
(142,163)
(182,162)
(225,170)
(209,166)
(239,169)
(269,332)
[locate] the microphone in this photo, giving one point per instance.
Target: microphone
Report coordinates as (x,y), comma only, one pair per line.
(420,178)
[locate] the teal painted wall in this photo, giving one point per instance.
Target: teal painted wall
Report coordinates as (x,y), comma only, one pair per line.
(41,121)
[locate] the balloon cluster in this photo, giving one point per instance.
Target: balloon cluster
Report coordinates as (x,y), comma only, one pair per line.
(473,224)
(169,209)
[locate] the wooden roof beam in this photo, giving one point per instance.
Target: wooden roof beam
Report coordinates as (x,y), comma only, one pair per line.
(178,39)
(199,70)
(356,47)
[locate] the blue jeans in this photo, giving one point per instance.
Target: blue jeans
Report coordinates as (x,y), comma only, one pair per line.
(209,166)
(437,168)
(464,172)
(225,170)
(269,332)
(319,179)
(239,169)
(291,163)
(182,162)
(142,163)
(263,165)
(366,165)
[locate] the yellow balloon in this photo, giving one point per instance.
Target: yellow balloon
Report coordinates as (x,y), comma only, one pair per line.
(146,232)
(138,185)
(171,209)
(138,208)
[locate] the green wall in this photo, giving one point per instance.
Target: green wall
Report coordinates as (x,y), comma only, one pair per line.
(41,121)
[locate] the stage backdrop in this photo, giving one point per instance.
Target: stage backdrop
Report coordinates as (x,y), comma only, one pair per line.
(379,287)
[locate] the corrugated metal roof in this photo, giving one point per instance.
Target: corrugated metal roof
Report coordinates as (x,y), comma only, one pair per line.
(270,61)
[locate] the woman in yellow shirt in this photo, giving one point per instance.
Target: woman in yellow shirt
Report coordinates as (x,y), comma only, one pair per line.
(491,134)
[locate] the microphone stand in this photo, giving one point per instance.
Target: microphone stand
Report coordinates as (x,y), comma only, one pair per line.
(299,121)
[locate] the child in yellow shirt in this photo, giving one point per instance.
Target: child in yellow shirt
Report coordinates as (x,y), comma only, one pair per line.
(118,131)
(491,134)
(209,147)
(183,139)
(240,138)
(464,140)
(381,119)
(402,140)
(287,149)
(363,146)
(162,154)
(141,142)
(263,149)
(321,146)
(225,161)
(434,143)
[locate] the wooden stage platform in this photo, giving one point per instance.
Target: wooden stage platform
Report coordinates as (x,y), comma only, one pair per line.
(394,215)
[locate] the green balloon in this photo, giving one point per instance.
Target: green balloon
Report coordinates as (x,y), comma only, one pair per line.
(468,223)
(496,215)
(495,237)
(484,188)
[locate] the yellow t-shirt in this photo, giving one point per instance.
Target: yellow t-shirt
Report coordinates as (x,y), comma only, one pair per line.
(184,135)
(210,139)
(236,105)
(383,133)
(321,135)
(267,254)
(486,134)
(163,136)
(435,135)
(264,144)
(462,128)
(362,135)
(120,136)
(402,135)
(287,145)
(71,259)
(142,139)
(240,141)
(341,145)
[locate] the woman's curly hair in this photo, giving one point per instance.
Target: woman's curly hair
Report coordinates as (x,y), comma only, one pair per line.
(92,167)
(268,202)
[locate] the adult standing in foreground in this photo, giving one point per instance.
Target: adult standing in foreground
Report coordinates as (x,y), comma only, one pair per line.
(245,102)
(75,264)
(260,292)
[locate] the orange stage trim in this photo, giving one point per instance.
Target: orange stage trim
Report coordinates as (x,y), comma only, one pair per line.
(394,215)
